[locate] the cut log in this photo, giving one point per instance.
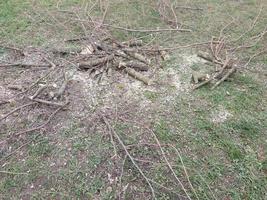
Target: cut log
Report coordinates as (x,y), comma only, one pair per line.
(138,76)
(137,56)
(93,63)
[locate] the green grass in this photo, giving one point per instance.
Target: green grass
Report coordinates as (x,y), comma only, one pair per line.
(222,158)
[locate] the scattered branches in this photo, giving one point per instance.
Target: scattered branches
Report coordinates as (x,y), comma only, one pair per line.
(223,53)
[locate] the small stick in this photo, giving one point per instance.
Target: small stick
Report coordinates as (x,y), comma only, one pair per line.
(211,45)
(111,138)
(16,109)
(13,173)
(26,65)
(39,79)
(231,71)
(140,30)
(203,83)
(251,27)
(121,175)
(41,126)
(11,48)
(175,47)
(253,56)
(3,158)
(188,8)
(138,76)
(185,171)
(225,65)
(205,56)
(169,165)
(218,49)
(167,189)
(104,15)
(130,157)
(175,16)
(146,30)
(39,90)
(47,102)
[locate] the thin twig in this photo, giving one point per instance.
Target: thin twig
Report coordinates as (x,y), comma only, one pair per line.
(41,126)
(251,27)
(188,8)
(140,30)
(38,91)
(17,109)
(165,188)
(51,103)
(13,173)
(121,175)
(112,141)
(231,71)
(184,168)
(169,165)
(13,152)
(130,157)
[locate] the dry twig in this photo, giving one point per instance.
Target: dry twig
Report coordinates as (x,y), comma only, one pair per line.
(169,165)
(130,157)
(41,126)
(17,109)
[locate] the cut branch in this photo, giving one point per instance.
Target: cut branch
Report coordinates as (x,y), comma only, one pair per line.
(93,63)
(129,156)
(138,76)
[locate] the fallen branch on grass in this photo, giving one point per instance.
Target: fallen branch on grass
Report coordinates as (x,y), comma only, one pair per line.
(38,91)
(129,156)
(138,76)
(43,125)
(169,165)
(188,8)
(17,109)
(13,173)
(26,65)
(50,103)
(139,30)
(230,72)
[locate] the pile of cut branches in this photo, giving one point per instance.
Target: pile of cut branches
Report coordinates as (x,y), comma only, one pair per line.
(103,55)
(226,54)
(49,69)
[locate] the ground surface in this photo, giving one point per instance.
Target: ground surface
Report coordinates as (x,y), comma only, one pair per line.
(219,136)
